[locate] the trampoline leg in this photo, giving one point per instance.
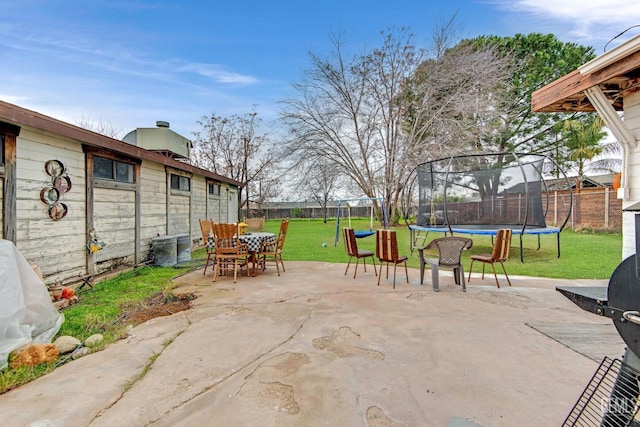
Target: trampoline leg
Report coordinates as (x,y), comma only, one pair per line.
(538,242)
(521,255)
(558,234)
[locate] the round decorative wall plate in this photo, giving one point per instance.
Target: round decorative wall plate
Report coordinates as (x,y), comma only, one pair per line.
(54,168)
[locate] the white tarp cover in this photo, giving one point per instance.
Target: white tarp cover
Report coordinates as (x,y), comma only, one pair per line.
(26,312)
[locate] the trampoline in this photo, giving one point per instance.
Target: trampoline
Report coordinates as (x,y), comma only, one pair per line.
(482,193)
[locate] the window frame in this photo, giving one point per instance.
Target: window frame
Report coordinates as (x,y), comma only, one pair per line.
(181,179)
(114,171)
(215,186)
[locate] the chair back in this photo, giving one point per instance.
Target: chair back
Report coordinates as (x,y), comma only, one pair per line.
(206,227)
(350,244)
(225,237)
(387,245)
(502,245)
(255,224)
(450,249)
(282,235)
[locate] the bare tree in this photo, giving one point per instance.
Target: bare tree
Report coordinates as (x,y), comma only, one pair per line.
(346,113)
(103,127)
(319,181)
(232,148)
(378,114)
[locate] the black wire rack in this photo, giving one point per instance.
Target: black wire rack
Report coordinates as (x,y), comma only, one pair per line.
(610,399)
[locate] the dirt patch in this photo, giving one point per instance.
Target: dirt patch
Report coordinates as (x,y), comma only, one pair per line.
(157,305)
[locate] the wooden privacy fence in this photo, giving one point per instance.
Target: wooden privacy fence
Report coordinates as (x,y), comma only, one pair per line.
(596,207)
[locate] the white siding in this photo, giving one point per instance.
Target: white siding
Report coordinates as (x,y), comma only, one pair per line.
(632,173)
(1,207)
(199,192)
(114,221)
(153,204)
(179,212)
(58,247)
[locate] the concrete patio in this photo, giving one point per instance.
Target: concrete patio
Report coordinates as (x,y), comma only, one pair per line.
(314,347)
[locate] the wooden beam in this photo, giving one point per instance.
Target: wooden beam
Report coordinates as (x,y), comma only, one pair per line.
(574,83)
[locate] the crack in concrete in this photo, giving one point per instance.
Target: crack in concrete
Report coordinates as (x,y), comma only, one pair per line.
(139,376)
(235,372)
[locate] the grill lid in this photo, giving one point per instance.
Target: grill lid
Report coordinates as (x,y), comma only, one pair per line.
(623,303)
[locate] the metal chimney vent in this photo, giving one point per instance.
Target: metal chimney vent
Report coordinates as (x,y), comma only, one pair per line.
(162,124)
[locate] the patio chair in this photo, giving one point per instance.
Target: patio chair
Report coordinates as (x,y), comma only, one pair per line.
(387,252)
(500,254)
(206,227)
(273,250)
(449,256)
(255,224)
(351,246)
(229,250)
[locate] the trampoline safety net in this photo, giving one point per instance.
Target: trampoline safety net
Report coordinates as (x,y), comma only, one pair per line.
(484,191)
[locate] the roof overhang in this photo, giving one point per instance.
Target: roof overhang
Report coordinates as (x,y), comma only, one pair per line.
(616,73)
(18,116)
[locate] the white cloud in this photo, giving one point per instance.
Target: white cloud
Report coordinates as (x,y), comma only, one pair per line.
(218,74)
(592,21)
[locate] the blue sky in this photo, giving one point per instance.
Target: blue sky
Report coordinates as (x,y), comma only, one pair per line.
(133,62)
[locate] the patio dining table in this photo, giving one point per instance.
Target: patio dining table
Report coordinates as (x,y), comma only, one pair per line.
(253,240)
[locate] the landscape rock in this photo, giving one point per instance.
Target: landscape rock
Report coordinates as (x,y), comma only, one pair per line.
(66,344)
(80,352)
(93,340)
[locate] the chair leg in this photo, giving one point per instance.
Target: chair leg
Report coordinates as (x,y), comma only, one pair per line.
(394,274)
(495,275)
(406,272)
(381,264)
(235,270)
(355,271)
(470,270)
(434,278)
(505,273)
(216,267)
(348,264)
(461,278)
(373,260)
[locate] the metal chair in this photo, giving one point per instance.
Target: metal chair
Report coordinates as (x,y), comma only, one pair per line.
(500,254)
(387,251)
(206,227)
(449,255)
(351,247)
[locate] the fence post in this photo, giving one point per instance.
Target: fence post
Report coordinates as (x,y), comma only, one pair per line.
(555,207)
(606,208)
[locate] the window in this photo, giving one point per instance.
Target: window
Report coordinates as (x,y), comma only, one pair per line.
(214,189)
(181,183)
(112,169)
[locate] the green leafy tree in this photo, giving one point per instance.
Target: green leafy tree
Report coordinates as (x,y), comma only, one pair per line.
(536,59)
(582,144)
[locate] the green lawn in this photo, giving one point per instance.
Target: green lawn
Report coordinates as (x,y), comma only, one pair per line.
(583,255)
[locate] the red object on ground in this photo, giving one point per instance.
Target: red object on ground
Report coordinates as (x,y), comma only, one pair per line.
(68,293)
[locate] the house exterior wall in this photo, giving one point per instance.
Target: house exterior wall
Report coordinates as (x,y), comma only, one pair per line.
(125,216)
(632,171)
(57,247)
(153,200)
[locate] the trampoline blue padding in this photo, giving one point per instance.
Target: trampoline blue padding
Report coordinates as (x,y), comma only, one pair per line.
(487,230)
